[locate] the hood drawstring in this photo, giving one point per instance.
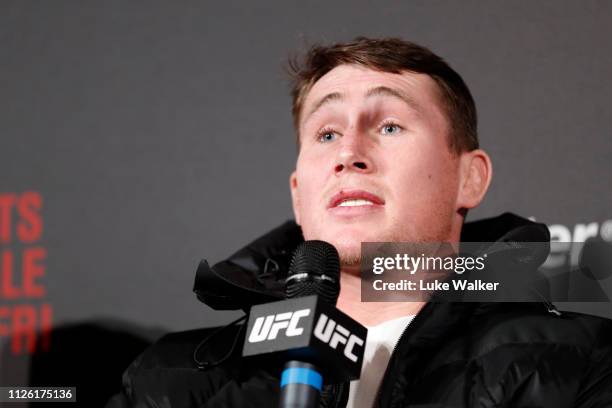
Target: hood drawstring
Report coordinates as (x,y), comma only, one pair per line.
(550,308)
(204,365)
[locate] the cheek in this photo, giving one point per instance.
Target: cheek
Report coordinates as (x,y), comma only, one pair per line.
(309,213)
(425,182)
(310,186)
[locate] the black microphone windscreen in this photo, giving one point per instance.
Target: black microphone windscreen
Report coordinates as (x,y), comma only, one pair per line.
(314,270)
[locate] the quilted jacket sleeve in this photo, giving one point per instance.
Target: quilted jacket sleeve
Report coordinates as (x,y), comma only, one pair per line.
(596,386)
(165,376)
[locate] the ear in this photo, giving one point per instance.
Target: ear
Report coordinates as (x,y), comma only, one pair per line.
(476,173)
(295,201)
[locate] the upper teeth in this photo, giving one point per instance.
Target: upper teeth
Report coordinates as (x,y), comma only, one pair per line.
(353,203)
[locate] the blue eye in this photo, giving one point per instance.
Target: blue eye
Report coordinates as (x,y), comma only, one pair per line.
(327,136)
(390,129)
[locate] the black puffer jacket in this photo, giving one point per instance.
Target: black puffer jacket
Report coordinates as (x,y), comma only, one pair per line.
(451,355)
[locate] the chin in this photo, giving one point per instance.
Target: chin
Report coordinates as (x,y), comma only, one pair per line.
(348,248)
(349,254)
(347,240)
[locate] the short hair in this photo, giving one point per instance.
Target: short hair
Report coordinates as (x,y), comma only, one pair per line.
(395,56)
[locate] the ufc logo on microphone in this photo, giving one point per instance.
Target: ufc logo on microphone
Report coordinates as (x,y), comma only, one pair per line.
(268,327)
(333,334)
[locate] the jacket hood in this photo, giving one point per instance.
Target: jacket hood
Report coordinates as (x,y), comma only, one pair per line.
(256,273)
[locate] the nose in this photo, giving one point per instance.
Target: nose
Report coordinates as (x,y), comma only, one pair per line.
(359,166)
(353,156)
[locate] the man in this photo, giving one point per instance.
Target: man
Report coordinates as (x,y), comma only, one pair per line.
(388,151)
(381,158)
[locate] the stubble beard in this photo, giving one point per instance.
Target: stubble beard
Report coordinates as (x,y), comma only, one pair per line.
(350,256)
(350,260)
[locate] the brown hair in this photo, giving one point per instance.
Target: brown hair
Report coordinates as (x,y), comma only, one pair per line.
(395,56)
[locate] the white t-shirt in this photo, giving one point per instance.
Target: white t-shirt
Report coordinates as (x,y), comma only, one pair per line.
(379,346)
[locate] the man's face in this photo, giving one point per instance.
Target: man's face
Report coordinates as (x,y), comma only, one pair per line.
(374,162)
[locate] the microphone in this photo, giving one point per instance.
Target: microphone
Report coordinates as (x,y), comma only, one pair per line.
(314,270)
(306,332)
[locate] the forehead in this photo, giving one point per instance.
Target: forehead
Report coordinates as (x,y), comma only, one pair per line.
(353,83)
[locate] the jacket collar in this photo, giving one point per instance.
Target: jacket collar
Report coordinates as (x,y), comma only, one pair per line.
(255,274)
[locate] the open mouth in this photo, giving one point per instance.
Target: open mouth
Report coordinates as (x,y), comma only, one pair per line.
(355,198)
(354,203)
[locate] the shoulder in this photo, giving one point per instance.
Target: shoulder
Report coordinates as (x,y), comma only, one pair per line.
(168,373)
(535,325)
(515,333)
(192,351)
(514,347)
(174,350)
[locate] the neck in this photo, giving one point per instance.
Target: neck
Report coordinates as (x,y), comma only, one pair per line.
(369,313)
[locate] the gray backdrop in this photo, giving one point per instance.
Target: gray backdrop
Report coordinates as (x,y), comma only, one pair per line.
(159,133)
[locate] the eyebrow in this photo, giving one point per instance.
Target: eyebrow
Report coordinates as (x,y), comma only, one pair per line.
(334,96)
(374,92)
(395,93)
